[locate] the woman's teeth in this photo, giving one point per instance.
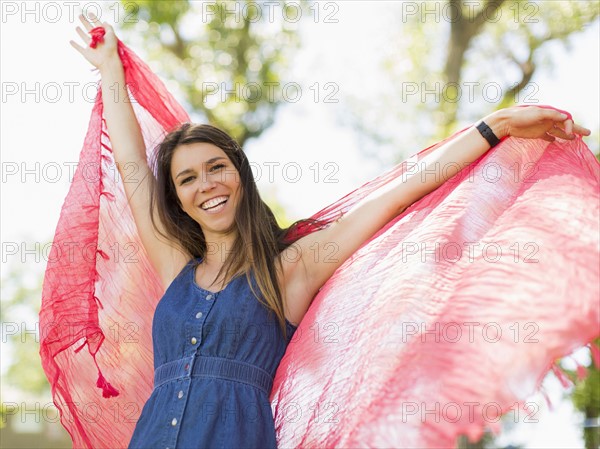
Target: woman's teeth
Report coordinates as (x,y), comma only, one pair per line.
(213,202)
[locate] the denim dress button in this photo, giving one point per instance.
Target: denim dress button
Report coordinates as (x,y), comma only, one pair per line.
(180,394)
(199,315)
(174,422)
(209,297)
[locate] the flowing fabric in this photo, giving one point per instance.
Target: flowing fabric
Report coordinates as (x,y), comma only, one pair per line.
(448,317)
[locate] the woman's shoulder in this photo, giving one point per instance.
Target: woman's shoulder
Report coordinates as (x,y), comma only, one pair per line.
(179,268)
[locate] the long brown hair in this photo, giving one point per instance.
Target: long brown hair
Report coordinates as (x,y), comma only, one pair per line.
(259,238)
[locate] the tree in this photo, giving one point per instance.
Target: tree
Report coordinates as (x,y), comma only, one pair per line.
(537,24)
(453,59)
(21,291)
(226,59)
(586,399)
(21,295)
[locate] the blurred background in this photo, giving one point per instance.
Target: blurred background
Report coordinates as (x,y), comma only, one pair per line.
(323,96)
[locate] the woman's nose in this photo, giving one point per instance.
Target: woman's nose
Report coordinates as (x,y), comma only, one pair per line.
(206,183)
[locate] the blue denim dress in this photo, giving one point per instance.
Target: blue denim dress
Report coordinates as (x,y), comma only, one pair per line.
(215,355)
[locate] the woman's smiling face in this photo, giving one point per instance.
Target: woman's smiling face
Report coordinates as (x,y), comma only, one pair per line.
(207,185)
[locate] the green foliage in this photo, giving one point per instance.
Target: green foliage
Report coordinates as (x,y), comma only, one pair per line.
(586,396)
(529,27)
(464,443)
(226,63)
(280,214)
(3,414)
(513,37)
(586,399)
(495,42)
(21,292)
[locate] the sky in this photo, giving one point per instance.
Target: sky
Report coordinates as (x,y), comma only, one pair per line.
(48,91)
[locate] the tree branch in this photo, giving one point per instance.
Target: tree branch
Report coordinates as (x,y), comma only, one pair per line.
(489,10)
(179,47)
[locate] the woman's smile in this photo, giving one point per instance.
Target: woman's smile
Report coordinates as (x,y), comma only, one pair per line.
(215,205)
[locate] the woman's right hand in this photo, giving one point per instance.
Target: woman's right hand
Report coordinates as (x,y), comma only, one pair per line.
(105,51)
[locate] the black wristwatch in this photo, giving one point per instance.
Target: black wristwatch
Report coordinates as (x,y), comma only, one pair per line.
(488,134)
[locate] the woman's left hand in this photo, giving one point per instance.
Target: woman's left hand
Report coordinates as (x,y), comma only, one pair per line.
(534,122)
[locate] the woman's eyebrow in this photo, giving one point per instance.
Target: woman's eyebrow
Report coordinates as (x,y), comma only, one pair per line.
(188,170)
(210,161)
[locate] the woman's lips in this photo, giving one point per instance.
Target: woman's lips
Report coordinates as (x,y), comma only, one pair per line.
(213,202)
(214,205)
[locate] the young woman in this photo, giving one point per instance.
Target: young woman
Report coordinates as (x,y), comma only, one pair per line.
(224,262)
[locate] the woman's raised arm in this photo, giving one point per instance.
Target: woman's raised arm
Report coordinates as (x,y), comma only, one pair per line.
(129,149)
(304,275)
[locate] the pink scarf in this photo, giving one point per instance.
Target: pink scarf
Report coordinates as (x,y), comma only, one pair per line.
(450,316)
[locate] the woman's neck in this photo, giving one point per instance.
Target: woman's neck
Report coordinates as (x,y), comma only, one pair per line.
(218,249)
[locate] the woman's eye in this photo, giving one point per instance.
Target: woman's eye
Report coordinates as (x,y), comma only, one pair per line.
(217,167)
(186,180)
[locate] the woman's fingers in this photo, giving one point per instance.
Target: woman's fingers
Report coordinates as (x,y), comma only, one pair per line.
(94,20)
(77,47)
(547,137)
(566,127)
(571,128)
(552,114)
(88,26)
(581,130)
(84,36)
(563,134)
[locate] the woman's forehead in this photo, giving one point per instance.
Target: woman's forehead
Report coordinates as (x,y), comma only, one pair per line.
(197,154)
